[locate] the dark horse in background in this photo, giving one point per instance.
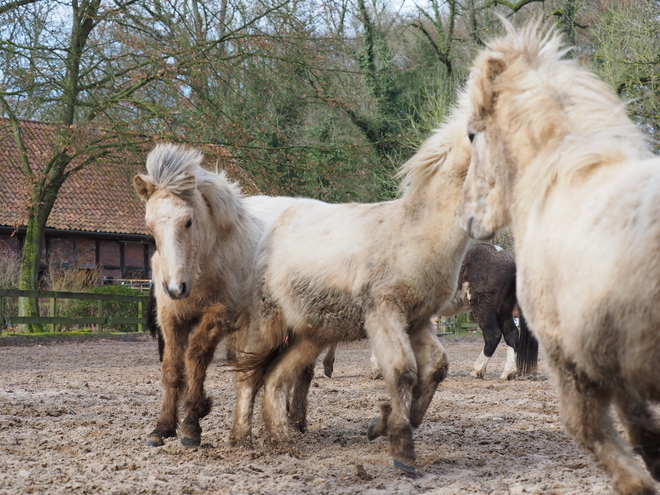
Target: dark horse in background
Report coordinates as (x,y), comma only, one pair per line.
(487,287)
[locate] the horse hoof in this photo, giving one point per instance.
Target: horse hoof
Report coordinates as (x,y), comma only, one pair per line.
(328,371)
(405,468)
(191,443)
(154,441)
(372,434)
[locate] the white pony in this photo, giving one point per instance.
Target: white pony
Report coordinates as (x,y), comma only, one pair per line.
(556,158)
(206,234)
(327,273)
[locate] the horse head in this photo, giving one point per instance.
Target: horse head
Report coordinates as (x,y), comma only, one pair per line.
(176,214)
(509,86)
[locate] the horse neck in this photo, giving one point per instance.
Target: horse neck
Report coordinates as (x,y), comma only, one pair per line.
(428,214)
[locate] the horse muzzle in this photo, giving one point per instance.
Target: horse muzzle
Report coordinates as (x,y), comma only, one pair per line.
(177,291)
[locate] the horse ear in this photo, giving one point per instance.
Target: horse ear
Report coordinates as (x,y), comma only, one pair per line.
(143,186)
(491,68)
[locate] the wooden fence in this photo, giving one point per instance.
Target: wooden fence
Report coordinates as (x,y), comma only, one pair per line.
(51,320)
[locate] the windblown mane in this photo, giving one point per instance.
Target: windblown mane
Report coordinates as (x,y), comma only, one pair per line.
(434,151)
(171,167)
(554,92)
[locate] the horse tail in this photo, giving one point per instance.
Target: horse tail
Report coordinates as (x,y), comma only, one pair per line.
(152,322)
(527,354)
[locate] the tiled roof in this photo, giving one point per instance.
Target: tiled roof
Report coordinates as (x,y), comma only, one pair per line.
(98,198)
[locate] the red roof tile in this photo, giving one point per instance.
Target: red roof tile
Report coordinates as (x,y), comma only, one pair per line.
(98,198)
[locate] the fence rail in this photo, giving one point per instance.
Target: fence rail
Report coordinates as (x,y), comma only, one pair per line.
(53,320)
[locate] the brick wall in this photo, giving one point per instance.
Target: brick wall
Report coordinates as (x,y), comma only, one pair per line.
(109,254)
(86,253)
(62,251)
(8,246)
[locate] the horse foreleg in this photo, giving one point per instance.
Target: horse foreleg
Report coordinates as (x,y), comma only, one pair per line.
(248,384)
(432,366)
(173,382)
(329,360)
(391,344)
(487,320)
(298,407)
(643,428)
(281,376)
(215,325)
(584,407)
(510,333)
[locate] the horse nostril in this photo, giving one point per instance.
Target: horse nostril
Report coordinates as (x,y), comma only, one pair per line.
(167,291)
(183,288)
(469,226)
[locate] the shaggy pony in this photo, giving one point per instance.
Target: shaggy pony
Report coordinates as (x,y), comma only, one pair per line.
(556,158)
(327,273)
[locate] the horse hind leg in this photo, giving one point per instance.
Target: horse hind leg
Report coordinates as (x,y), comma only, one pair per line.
(510,333)
(298,407)
(643,428)
(215,325)
(329,360)
(487,320)
(279,380)
(584,409)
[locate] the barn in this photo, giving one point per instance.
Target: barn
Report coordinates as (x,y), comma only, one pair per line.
(97,221)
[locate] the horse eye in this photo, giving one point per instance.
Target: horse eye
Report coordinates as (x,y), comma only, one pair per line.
(471,136)
(189,224)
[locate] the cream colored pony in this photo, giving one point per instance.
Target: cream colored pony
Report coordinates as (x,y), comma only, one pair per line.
(326,273)
(206,234)
(556,158)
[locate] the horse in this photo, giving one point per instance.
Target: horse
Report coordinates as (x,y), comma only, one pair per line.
(326,273)
(556,158)
(206,234)
(487,287)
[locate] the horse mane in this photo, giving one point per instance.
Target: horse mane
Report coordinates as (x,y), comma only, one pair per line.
(433,152)
(178,170)
(596,128)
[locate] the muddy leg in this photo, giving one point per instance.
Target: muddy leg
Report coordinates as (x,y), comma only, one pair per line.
(329,360)
(643,429)
(216,323)
(248,384)
(432,366)
(279,380)
(510,332)
(298,409)
(487,320)
(585,412)
(176,340)
(391,344)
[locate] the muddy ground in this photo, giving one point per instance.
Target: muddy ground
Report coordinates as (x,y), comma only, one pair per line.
(74,419)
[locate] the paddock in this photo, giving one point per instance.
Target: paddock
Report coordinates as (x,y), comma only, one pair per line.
(74,418)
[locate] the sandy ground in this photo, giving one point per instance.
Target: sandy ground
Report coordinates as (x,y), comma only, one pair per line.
(74,419)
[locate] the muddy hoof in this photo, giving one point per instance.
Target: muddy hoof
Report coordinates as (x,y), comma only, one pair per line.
(372,432)
(405,468)
(191,443)
(155,441)
(328,371)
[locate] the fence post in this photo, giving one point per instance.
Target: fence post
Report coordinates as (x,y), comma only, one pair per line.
(100,315)
(2,314)
(52,312)
(139,326)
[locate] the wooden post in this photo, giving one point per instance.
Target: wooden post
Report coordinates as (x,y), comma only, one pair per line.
(100,315)
(52,312)
(139,327)
(2,314)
